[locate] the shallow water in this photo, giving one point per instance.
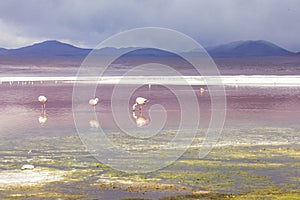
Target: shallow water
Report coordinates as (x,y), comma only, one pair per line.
(258,120)
(249,107)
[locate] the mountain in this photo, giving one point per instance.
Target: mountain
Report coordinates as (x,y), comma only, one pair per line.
(237,49)
(3,51)
(248,48)
(150,52)
(108,51)
(52,48)
(47,48)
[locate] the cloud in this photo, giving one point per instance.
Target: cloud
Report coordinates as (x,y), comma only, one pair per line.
(210,22)
(10,37)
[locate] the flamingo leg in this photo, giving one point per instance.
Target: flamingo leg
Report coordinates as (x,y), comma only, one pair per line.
(44,111)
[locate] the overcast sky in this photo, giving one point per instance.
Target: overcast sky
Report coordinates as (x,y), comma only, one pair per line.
(210,22)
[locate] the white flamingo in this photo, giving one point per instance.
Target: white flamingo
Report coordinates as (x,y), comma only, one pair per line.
(43,100)
(94,102)
(139,101)
(202,90)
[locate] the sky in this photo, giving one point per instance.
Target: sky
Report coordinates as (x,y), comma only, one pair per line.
(210,22)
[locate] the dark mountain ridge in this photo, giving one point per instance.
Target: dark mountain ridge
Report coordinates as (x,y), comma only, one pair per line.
(47,48)
(249,48)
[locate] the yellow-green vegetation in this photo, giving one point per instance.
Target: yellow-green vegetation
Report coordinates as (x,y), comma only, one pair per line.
(42,195)
(228,172)
(248,196)
(210,164)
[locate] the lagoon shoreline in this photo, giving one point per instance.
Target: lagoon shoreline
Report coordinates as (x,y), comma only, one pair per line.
(226,80)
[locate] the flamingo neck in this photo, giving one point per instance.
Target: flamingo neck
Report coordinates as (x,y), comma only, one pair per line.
(134,106)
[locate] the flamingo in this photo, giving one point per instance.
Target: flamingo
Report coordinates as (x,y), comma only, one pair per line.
(43,100)
(94,102)
(202,90)
(139,101)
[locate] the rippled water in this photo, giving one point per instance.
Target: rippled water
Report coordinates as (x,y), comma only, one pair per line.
(249,107)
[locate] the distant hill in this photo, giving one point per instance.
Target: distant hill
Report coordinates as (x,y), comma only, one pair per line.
(150,52)
(55,48)
(3,51)
(248,48)
(47,48)
(238,49)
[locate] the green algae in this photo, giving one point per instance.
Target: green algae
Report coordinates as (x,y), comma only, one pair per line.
(248,196)
(232,172)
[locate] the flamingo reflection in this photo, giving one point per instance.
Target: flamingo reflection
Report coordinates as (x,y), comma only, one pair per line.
(140,120)
(94,124)
(42,119)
